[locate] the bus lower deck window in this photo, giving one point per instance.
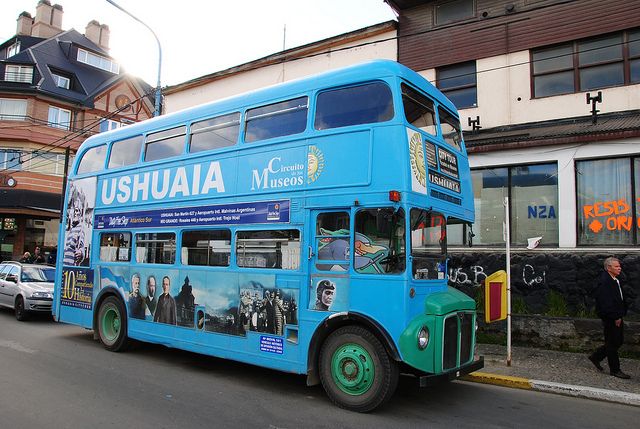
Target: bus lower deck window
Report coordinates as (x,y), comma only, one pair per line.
(268,249)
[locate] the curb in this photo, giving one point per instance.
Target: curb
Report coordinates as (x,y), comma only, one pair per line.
(614,396)
(498,380)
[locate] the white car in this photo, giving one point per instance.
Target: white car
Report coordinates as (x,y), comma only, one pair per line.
(26,288)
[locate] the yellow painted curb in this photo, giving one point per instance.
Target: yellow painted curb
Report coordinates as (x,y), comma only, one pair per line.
(499,380)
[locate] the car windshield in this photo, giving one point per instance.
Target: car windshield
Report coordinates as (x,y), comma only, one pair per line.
(32,274)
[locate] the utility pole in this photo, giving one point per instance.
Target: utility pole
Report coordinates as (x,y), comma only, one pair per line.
(156,111)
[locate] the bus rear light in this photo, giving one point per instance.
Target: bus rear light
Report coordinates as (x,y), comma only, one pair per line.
(394,196)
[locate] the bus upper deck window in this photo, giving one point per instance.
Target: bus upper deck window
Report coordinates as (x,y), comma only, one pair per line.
(165,144)
(363,104)
(92,160)
(276,120)
(125,152)
(450,126)
(215,133)
(419,110)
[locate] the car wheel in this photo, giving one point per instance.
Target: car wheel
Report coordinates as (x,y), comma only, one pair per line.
(19,310)
(356,370)
(112,324)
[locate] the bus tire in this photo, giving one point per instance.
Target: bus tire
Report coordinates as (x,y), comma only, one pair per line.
(112,324)
(356,370)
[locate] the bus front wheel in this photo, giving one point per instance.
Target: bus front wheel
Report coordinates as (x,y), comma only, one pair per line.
(112,324)
(356,371)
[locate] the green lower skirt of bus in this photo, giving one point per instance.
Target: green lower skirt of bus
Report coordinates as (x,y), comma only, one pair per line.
(421,342)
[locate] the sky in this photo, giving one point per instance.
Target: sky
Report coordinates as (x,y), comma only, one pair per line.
(199,37)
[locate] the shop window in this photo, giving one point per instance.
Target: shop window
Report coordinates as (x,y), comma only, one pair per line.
(607,211)
(533,204)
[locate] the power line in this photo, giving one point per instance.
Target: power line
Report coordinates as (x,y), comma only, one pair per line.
(58,143)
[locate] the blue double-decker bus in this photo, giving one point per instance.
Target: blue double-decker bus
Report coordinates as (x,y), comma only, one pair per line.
(301,227)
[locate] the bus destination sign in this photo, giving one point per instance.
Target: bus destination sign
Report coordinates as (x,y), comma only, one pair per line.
(444,181)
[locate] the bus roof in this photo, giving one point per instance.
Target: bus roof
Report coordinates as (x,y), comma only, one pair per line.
(375,69)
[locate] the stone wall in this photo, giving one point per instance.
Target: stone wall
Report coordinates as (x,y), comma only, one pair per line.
(536,274)
(561,333)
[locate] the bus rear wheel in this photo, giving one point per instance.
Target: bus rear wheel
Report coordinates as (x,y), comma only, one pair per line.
(112,324)
(356,371)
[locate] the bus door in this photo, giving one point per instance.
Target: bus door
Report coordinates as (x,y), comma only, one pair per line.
(329,260)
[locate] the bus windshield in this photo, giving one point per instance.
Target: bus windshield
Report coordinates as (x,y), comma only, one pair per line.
(428,244)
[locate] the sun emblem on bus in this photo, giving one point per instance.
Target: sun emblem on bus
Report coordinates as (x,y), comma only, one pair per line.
(315,164)
(417,159)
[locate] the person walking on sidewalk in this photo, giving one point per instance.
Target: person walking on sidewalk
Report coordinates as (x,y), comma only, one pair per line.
(611,308)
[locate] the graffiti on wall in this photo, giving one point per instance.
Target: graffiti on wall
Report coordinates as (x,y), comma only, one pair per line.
(612,215)
(475,276)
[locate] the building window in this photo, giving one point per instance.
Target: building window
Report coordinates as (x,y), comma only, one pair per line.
(607,211)
(59,118)
(533,203)
(458,83)
(109,124)
(13,49)
(61,81)
(47,163)
(15,73)
(98,61)
(10,159)
(588,64)
(454,10)
(13,110)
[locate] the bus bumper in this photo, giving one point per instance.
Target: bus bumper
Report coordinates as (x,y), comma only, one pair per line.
(431,379)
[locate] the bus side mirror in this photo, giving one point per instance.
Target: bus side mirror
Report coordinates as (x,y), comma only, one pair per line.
(470,236)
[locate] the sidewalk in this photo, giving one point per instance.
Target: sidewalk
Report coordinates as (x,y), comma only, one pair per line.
(557,372)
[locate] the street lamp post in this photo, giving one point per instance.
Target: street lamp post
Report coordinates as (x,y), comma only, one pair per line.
(156,111)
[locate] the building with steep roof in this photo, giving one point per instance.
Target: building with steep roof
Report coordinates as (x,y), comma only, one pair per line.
(57,88)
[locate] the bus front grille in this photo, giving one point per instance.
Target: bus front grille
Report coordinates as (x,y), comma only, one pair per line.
(457,347)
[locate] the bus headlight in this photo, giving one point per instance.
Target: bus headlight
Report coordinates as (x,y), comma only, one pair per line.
(423,338)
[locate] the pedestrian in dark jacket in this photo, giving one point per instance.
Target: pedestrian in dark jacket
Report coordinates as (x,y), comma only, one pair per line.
(611,307)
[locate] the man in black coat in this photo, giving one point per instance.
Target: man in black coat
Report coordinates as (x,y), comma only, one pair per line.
(611,308)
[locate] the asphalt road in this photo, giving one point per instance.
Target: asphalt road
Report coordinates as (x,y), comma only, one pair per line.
(57,376)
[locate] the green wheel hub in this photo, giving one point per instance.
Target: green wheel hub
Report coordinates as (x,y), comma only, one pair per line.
(111,324)
(353,369)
